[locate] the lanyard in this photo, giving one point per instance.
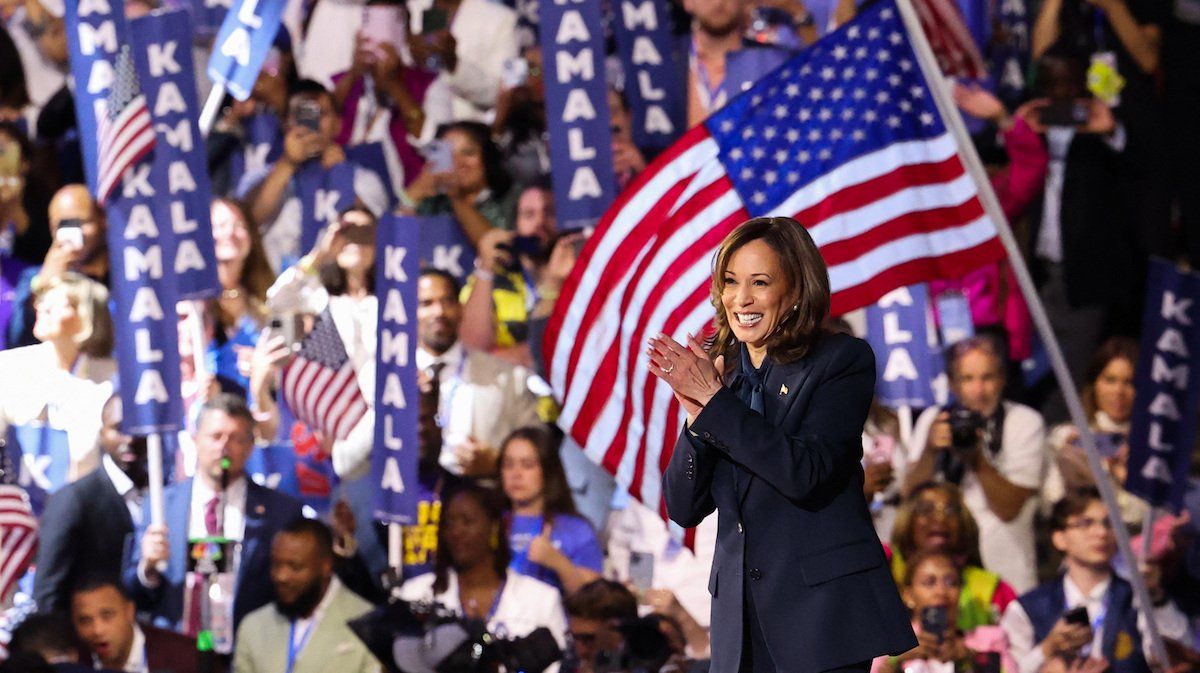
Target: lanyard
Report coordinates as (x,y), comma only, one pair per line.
(491,610)
(444,410)
(712,91)
(294,647)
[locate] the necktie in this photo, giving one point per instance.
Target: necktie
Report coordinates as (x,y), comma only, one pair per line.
(212,528)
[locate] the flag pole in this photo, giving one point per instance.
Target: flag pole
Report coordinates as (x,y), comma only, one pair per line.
(154,470)
(208,115)
(395,553)
(991,205)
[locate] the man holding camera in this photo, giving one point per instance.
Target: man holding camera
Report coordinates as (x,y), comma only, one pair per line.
(995,450)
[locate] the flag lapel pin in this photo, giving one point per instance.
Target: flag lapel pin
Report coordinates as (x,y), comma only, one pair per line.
(783,389)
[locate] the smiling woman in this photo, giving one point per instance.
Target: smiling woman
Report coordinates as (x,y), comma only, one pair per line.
(775,409)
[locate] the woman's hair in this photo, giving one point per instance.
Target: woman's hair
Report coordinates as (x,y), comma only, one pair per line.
(333,277)
(804,274)
(257,276)
(911,565)
(556,493)
(13,92)
(968,530)
(1115,348)
(493,160)
(90,300)
(492,504)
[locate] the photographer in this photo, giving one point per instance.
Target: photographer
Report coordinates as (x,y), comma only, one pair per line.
(994,449)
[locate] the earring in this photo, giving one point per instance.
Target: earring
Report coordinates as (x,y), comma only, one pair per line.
(495,541)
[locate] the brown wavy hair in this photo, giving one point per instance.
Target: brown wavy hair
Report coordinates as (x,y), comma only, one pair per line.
(807,280)
(1115,348)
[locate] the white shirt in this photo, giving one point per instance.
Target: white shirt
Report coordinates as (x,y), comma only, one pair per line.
(43,78)
(1029,657)
(1006,548)
(136,663)
(233,514)
(133,497)
(1058,144)
(454,403)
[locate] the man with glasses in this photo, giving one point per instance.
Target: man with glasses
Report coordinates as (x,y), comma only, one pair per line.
(77,228)
(1087,613)
(220,502)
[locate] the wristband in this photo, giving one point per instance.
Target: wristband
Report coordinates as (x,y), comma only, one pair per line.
(484,275)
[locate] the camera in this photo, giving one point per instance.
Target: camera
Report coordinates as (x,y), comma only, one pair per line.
(965,425)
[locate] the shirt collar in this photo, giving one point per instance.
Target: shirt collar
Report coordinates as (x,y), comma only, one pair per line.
(451,357)
(1074,595)
(319,611)
(119,479)
(235,493)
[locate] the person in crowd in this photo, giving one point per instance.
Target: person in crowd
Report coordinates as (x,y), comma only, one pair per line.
(520,124)
(45,640)
(934,519)
(40,36)
(218,501)
(476,190)
(247,137)
(82,249)
(689,640)
(483,399)
(563,255)
(14,95)
(1043,625)
(775,411)
(472,577)
(885,462)
(997,456)
(1108,401)
(931,588)
(469,51)
(304,627)
(87,527)
(548,538)
(310,149)
(237,317)
(593,616)
(628,160)
(105,621)
(27,182)
(65,380)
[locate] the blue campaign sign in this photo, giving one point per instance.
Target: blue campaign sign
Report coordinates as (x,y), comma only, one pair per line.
(654,68)
(577,111)
(372,157)
(207,16)
(897,329)
(42,458)
(954,317)
(323,193)
(242,44)
(1163,431)
(394,460)
(262,147)
(162,54)
(444,245)
(95,31)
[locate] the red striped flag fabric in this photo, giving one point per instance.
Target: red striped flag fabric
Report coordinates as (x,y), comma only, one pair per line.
(319,384)
(952,43)
(845,138)
(18,536)
(124,127)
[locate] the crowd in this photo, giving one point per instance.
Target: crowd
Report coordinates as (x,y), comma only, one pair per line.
(997,538)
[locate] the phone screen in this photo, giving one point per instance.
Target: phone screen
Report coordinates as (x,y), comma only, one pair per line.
(641,569)
(440,156)
(70,232)
(433,20)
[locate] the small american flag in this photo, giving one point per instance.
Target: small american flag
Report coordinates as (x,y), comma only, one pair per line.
(952,43)
(126,132)
(319,384)
(18,536)
(847,139)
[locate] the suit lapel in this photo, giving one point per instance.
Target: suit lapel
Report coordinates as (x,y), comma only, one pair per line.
(255,513)
(780,391)
(178,508)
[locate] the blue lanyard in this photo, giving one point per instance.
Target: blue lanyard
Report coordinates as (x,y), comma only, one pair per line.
(491,611)
(702,75)
(294,647)
(443,416)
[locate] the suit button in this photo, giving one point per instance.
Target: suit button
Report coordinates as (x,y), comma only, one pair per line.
(755,574)
(708,435)
(740,529)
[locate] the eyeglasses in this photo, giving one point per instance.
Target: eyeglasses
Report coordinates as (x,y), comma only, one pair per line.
(931,582)
(930,509)
(1084,523)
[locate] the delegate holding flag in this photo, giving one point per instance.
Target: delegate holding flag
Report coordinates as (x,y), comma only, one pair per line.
(847,139)
(126,132)
(319,385)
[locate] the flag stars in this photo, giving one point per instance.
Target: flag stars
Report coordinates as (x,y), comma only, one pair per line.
(827,73)
(792,90)
(873,34)
(926,118)
(780,111)
(883,55)
(895,38)
(805,115)
(793,135)
(781,156)
(769,132)
(917,92)
(872,74)
(893,121)
(836,94)
(836,134)
(770,177)
(853,32)
(849,72)
(894,80)
(758,153)
(814,135)
(825,154)
(748,133)
(803,156)
(793,177)
(858,135)
(747,173)
(860,94)
(870,115)
(905,106)
(840,52)
(816,94)
(759,198)
(726,126)
(825,114)
(882,97)
(848,114)
(737,154)
(905,64)
(861,53)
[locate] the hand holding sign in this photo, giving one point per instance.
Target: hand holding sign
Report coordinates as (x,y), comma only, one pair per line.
(476,458)
(155,550)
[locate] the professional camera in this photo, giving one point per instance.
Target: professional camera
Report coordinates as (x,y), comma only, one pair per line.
(427,638)
(644,648)
(965,425)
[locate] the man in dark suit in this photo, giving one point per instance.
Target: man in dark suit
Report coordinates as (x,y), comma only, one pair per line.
(104,618)
(87,528)
(218,502)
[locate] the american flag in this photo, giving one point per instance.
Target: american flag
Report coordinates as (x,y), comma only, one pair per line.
(126,132)
(951,41)
(847,139)
(319,384)
(18,536)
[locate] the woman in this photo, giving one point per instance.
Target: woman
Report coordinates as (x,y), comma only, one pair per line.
(471,574)
(1108,400)
(775,412)
(548,538)
(60,385)
(27,181)
(934,519)
(931,589)
(476,191)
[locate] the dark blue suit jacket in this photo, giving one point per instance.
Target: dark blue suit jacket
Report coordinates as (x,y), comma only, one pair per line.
(267,511)
(793,526)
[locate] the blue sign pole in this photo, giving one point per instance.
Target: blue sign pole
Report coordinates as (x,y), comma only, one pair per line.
(239,51)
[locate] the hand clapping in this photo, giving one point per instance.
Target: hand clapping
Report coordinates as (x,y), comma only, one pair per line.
(691,375)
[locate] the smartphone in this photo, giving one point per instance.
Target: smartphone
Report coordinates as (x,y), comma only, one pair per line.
(1077,616)
(383,24)
(307,113)
(935,620)
(641,569)
(433,20)
(530,246)
(10,158)
(1068,112)
(70,232)
(289,326)
(514,73)
(440,156)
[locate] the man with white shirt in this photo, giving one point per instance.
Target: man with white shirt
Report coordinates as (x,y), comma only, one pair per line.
(220,502)
(1039,633)
(87,527)
(482,398)
(304,629)
(104,619)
